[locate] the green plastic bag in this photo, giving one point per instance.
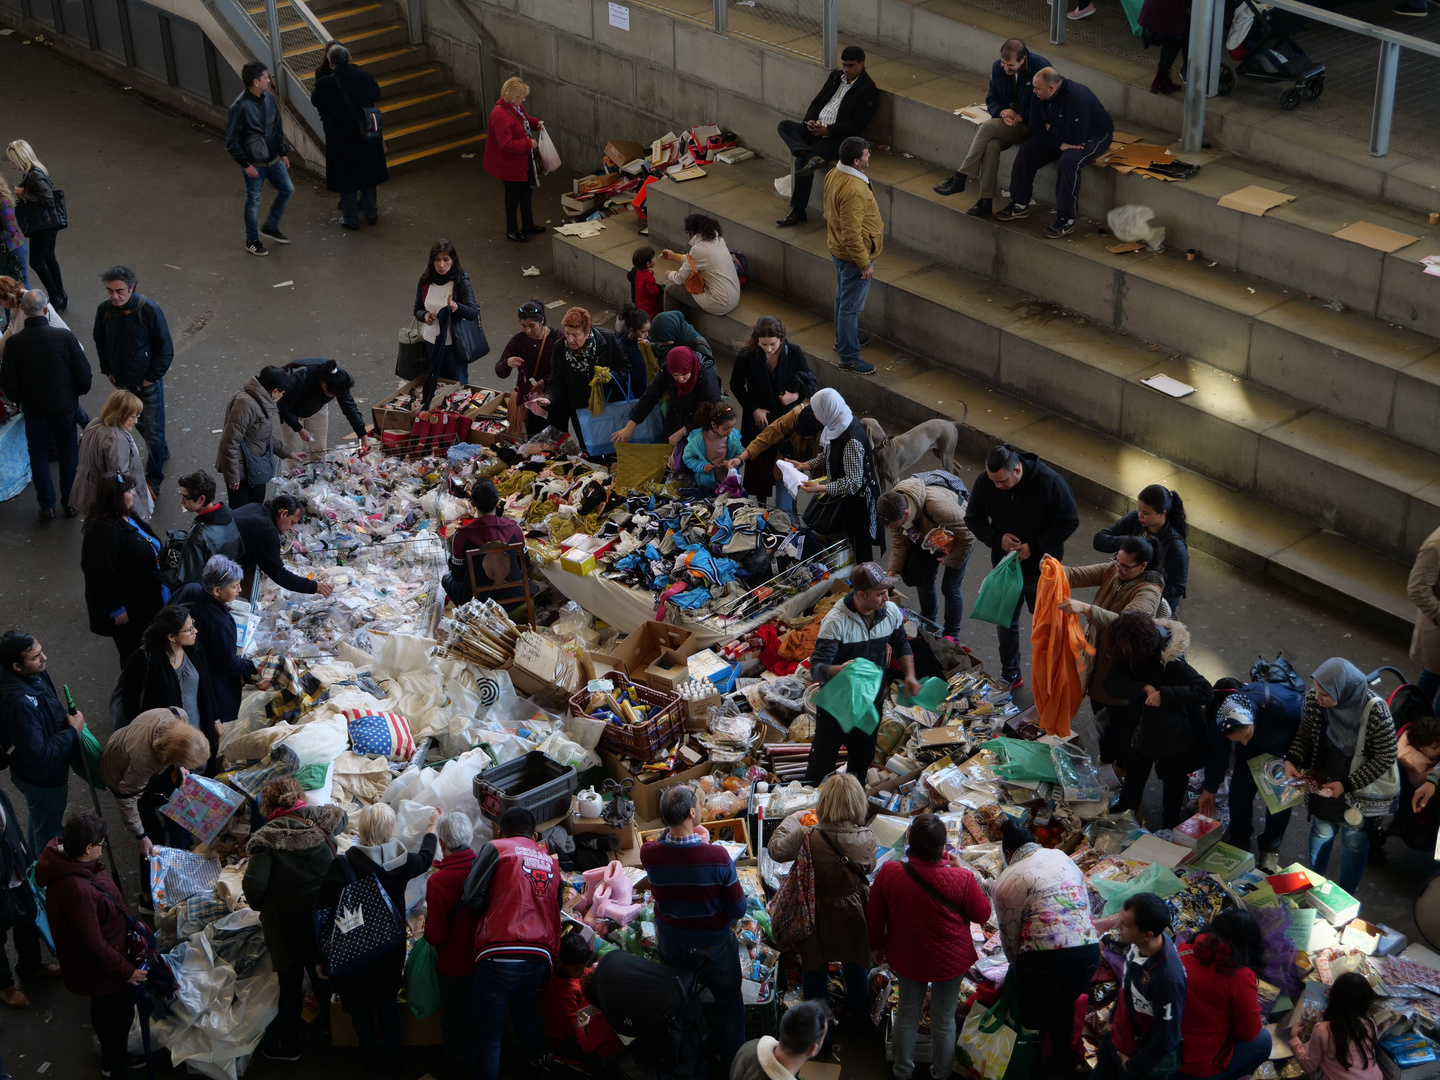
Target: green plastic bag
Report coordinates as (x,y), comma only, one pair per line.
(1000,591)
(1154,878)
(87,751)
(933,693)
(422,980)
(1023,760)
(850,696)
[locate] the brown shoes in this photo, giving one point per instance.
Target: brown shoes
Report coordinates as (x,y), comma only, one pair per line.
(13,996)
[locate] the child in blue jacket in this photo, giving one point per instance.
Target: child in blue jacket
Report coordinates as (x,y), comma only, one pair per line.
(714,445)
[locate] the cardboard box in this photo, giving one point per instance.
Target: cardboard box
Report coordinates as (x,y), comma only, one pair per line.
(623,151)
(387,418)
(579,552)
(541,667)
(579,205)
(597,182)
(728,829)
(412,1032)
(598,664)
(652,641)
(627,850)
(1361,935)
(646,793)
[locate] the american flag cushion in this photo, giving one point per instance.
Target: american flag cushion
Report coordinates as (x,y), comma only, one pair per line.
(384,733)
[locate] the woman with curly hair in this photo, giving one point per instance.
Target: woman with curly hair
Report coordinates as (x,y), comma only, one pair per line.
(1224,1033)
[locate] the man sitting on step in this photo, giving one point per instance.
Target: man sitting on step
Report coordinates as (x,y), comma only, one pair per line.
(1008,102)
(844,107)
(1069,125)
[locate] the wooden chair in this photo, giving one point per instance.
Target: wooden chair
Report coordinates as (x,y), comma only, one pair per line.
(475,556)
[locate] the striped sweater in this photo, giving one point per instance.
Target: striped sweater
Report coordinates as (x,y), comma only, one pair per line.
(697,892)
(1379,741)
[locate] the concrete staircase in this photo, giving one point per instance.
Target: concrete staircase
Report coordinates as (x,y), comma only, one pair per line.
(426,112)
(1309,451)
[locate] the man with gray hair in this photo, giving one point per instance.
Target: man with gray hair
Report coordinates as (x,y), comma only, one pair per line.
(43,370)
(132,343)
(354,143)
(697,900)
(209,602)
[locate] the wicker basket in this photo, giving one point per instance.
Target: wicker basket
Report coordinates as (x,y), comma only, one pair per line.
(662,729)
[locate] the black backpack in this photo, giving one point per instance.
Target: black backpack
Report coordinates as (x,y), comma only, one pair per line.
(1279,671)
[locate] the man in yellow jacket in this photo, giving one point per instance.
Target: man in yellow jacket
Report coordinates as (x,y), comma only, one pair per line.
(855,235)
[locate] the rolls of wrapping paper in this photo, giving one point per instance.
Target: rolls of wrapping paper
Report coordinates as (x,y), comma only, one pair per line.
(483,634)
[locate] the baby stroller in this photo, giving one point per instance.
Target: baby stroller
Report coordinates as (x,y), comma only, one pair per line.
(1262,40)
(659,1012)
(1417,831)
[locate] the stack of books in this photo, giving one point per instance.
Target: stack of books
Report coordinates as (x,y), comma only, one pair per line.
(1199,833)
(1225,861)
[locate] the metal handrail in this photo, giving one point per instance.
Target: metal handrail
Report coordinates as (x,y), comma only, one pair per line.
(316,26)
(1356,26)
(266,47)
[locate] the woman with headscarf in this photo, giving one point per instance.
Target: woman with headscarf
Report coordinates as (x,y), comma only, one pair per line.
(670,329)
(847,463)
(581,350)
(685,380)
(1346,746)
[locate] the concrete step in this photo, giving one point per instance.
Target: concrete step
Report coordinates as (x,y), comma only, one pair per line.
(423,129)
(380,60)
(1345,577)
(346,17)
(398,108)
(1338,474)
(410,81)
(1365,369)
(467,143)
(372,38)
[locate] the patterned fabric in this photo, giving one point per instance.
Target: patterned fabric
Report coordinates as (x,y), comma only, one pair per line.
(176,875)
(283,762)
(1042,903)
(202,806)
(383,733)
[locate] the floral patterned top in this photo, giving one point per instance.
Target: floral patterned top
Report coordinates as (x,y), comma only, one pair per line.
(14,240)
(1042,903)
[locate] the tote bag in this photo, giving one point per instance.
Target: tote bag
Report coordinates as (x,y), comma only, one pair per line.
(599,431)
(548,155)
(412,354)
(792,911)
(1000,591)
(362,927)
(986,1041)
(422,980)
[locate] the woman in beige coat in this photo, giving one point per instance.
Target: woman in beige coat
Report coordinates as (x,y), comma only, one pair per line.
(1424,593)
(154,742)
(1127,582)
(913,510)
(842,849)
(247,441)
(107,447)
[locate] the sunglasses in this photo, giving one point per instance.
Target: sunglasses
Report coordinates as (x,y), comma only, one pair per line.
(532,311)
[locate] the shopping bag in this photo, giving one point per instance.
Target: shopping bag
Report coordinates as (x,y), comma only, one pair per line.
(363,926)
(1275,787)
(422,980)
(42,918)
(202,806)
(177,874)
(546,152)
(987,1041)
(1000,592)
(599,431)
(850,696)
(1160,880)
(85,758)
(1021,759)
(792,911)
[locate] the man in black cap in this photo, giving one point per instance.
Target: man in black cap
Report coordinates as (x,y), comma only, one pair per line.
(865,625)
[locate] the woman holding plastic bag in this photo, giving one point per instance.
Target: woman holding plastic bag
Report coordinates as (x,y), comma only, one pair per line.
(151,751)
(368,994)
(1043,908)
(289,857)
(511,143)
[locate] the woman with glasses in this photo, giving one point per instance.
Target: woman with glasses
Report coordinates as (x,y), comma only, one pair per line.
(209,601)
(1126,583)
(108,446)
(120,558)
(527,355)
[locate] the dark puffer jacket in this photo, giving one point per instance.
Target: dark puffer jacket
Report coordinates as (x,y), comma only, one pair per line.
(1175,727)
(1040,510)
(289,858)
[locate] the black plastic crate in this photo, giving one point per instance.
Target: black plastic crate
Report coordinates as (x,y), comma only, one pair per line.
(537,782)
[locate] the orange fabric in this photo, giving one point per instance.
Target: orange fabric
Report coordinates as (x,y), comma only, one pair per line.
(1057,642)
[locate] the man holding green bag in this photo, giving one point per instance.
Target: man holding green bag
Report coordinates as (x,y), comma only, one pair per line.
(858,638)
(1022,505)
(36,734)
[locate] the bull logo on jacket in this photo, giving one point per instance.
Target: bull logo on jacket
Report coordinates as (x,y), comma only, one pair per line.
(539,870)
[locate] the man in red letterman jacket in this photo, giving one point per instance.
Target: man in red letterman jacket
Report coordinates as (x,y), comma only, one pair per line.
(514,885)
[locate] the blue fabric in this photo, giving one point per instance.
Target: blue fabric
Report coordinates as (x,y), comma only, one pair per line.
(850,292)
(151,430)
(14,458)
(279,178)
(1247,1057)
(1354,851)
(691,598)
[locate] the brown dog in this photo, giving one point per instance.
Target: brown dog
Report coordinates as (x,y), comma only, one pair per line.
(895,458)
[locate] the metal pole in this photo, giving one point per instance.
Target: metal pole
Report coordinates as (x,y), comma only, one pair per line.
(416,21)
(1384,98)
(722,21)
(1197,76)
(830,34)
(1058,22)
(1217,50)
(272,25)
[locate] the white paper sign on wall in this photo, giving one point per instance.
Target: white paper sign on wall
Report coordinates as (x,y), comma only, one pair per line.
(620,16)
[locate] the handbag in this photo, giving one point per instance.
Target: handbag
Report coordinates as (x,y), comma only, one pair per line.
(1000,591)
(825,516)
(369,119)
(987,1041)
(36,217)
(599,431)
(363,926)
(792,911)
(258,470)
(518,409)
(412,355)
(1378,797)
(469,338)
(694,283)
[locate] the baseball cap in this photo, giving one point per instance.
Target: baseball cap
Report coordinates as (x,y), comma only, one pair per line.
(869,575)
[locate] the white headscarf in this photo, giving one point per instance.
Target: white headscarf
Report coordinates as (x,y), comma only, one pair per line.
(830,409)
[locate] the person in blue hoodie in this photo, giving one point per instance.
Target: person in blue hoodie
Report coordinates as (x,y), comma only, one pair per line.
(1144,1038)
(713,447)
(36,735)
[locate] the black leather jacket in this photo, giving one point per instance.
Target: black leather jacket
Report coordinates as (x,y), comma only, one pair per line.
(250,116)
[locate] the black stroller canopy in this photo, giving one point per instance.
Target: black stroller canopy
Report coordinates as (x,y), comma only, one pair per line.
(636,994)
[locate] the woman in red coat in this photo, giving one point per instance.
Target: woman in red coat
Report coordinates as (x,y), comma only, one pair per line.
(510,145)
(87,916)
(1224,1033)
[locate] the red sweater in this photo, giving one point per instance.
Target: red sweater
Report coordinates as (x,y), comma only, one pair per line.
(560,1000)
(453,938)
(922,939)
(507,149)
(1221,1009)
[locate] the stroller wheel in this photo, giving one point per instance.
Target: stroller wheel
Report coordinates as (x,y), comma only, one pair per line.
(1315,87)
(1227,79)
(1290,99)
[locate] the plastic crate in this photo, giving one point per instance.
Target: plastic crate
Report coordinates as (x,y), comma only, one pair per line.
(661,730)
(536,781)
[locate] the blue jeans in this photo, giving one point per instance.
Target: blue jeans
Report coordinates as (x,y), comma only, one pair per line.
(815,985)
(45,808)
(279,178)
(378,1041)
(1354,851)
(42,434)
(943,998)
(719,969)
(1242,811)
(456,993)
(1247,1057)
(501,986)
(1429,684)
(1009,636)
(850,292)
(151,430)
(924,568)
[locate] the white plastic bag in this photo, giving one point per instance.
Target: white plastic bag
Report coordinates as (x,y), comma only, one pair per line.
(548,155)
(319,742)
(785,185)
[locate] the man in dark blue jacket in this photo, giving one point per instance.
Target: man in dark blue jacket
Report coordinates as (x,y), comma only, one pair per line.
(260,526)
(844,107)
(36,735)
(1069,125)
(256,142)
(1008,103)
(133,343)
(1144,1038)
(18,912)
